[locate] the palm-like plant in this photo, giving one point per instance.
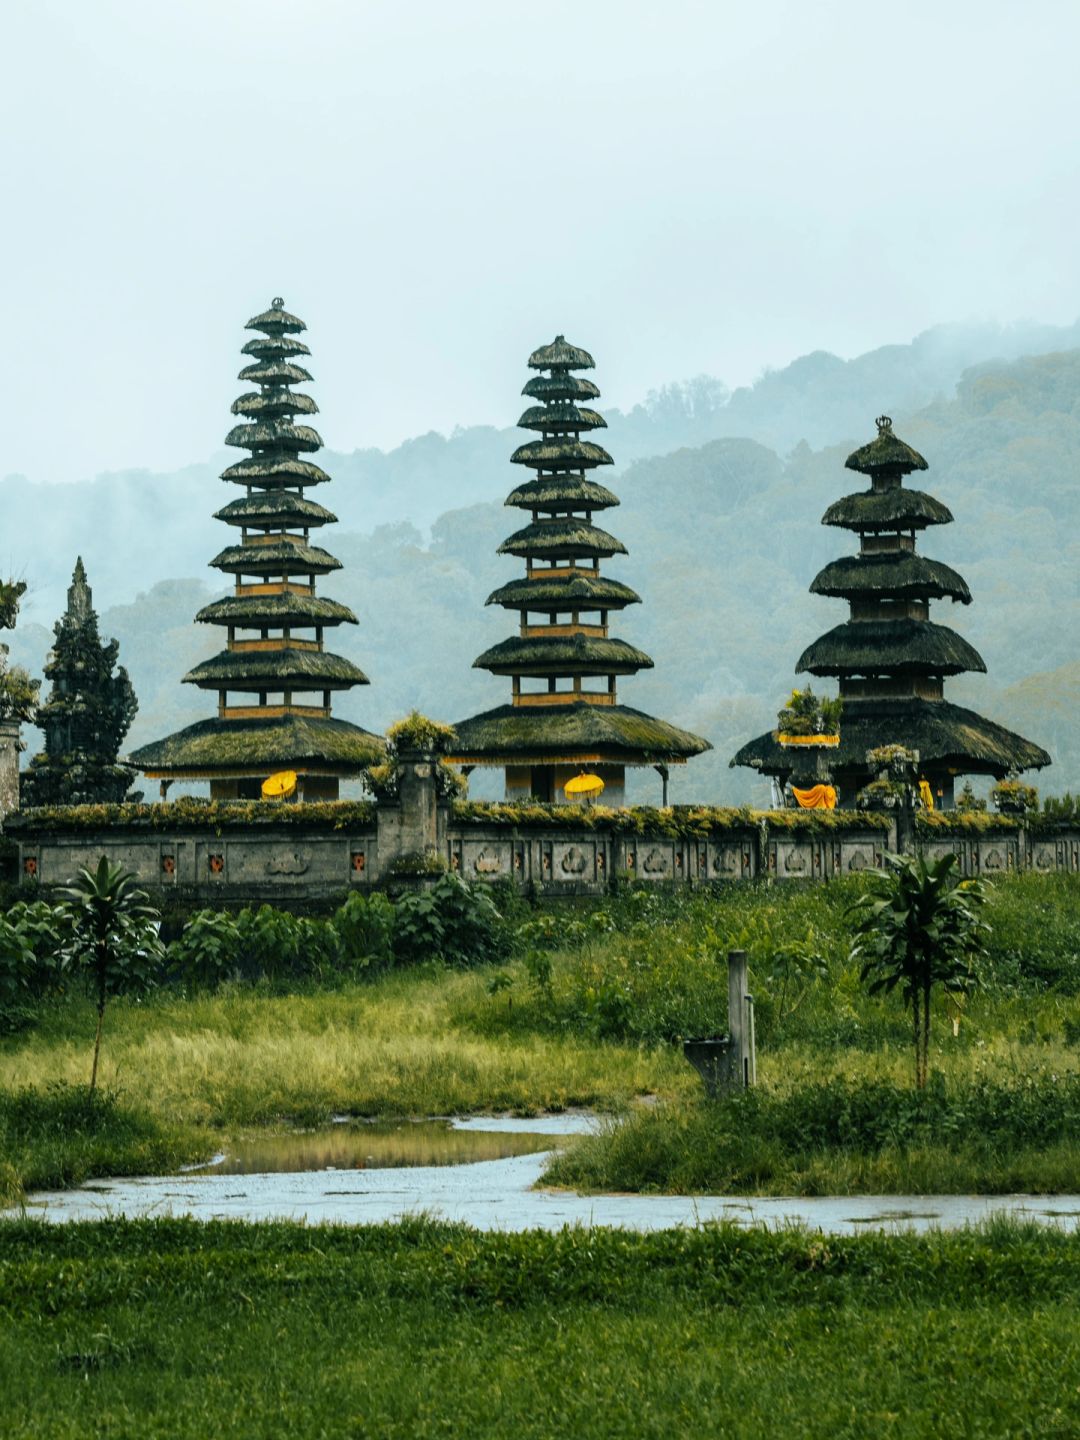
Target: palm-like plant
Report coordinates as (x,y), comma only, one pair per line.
(917,927)
(115,936)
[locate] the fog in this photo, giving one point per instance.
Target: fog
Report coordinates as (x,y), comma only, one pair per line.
(436,189)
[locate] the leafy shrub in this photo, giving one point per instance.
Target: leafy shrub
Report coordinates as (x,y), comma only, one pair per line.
(277,946)
(208,949)
(365,929)
(451,921)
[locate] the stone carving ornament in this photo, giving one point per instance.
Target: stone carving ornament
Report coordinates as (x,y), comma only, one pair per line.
(574,861)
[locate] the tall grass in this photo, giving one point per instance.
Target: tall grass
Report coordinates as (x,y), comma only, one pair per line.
(842,1137)
(402,1046)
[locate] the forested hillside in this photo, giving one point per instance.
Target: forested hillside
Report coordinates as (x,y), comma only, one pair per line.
(722,530)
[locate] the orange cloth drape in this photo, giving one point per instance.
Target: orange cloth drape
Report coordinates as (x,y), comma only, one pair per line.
(819,797)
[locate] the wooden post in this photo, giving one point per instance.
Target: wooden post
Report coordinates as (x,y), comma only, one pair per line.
(740,1058)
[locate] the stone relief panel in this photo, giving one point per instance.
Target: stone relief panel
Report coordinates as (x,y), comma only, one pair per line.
(574,862)
(489,862)
(656,862)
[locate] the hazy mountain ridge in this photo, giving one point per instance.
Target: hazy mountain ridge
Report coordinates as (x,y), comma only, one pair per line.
(723,536)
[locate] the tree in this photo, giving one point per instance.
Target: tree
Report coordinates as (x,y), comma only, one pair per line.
(115,936)
(87,715)
(919,927)
(18,693)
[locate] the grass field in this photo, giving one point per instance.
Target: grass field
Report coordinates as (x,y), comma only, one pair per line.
(590,1013)
(173,1329)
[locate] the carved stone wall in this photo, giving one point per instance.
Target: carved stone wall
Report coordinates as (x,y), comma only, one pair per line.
(294,863)
(290,864)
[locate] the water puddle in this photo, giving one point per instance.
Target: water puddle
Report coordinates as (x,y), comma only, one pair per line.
(382,1145)
(486,1172)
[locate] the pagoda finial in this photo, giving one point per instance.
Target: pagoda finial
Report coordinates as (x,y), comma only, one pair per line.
(80,600)
(883,422)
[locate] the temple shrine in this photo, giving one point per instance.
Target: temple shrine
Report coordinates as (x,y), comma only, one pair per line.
(564,714)
(274,680)
(890,658)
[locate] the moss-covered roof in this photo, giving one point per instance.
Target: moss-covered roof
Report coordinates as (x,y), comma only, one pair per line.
(274,347)
(890,647)
(561,539)
(562,492)
(271,473)
(561,455)
(881,576)
(282,556)
(276,320)
(944,735)
(273,669)
(279,433)
(560,354)
(560,386)
(572,592)
(562,655)
(887,452)
(571,734)
(275,507)
(274,403)
(895,509)
(275,610)
(229,747)
(274,372)
(561,415)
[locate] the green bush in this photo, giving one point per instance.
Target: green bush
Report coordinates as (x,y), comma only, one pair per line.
(451,921)
(365,929)
(34,960)
(207,951)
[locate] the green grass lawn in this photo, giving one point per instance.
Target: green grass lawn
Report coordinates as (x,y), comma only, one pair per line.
(177,1330)
(595,1021)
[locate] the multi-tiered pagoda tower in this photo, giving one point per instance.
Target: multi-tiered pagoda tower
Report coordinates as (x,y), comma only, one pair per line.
(563,664)
(274,680)
(890,658)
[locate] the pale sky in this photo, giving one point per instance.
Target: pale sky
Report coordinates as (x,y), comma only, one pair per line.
(439,187)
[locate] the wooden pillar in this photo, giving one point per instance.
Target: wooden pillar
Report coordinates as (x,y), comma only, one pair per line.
(741,1059)
(662,771)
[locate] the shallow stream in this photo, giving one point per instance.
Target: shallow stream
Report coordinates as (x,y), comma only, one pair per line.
(483,1172)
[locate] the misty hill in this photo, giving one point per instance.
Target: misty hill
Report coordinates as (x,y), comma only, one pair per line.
(136,527)
(723,536)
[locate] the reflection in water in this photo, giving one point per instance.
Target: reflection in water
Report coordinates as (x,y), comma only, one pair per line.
(374,1147)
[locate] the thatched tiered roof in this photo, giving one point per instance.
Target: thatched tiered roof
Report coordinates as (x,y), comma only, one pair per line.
(901,575)
(563,549)
(889,647)
(216,748)
(561,655)
(275,565)
(890,659)
(897,509)
(572,735)
(945,735)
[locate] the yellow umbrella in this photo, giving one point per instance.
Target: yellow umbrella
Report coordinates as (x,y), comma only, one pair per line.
(281,786)
(584,785)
